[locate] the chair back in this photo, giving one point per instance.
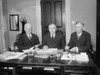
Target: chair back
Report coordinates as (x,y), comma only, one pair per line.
(16,41)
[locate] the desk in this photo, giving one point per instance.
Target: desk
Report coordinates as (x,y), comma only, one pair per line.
(65,66)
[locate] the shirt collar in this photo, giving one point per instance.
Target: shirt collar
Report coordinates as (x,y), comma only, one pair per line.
(52,35)
(80,34)
(29,35)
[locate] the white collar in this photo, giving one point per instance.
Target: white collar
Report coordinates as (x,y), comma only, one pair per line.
(52,35)
(80,34)
(29,35)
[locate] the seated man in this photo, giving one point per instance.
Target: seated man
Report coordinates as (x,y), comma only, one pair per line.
(28,39)
(53,39)
(80,40)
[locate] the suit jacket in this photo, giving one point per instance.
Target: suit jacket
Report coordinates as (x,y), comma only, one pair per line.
(57,42)
(83,43)
(25,43)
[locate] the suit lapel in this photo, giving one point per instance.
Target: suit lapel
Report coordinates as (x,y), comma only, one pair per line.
(28,40)
(82,36)
(76,36)
(26,37)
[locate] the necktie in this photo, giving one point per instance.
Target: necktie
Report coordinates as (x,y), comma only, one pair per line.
(52,36)
(78,36)
(29,36)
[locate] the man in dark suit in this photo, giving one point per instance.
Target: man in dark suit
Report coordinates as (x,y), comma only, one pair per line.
(54,38)
(80,40)
(28,39)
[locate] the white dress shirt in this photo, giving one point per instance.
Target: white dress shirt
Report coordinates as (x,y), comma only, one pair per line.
(29,36)
(78,35)
(52,35)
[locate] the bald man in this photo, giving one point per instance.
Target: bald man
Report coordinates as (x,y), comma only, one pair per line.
(28,39)
(53,39)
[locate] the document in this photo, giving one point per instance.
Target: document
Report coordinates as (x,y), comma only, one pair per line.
(53,50)
(48,51)
(22,56)
(78,57)
(27,50)
(42,55)
(45,53)
(8,55)
(67,56)
(82,57)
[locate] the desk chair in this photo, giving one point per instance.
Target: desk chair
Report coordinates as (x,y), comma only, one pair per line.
(92,52)
(16,41)
(8,70)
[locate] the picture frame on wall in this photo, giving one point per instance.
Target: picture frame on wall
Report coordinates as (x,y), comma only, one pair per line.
(14,22)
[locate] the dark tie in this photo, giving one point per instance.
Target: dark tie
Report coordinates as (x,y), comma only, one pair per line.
(52,36)
(78,36)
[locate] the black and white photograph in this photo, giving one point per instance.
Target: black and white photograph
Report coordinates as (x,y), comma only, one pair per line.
(49,37)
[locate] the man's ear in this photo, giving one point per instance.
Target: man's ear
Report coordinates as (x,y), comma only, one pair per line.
(83,28)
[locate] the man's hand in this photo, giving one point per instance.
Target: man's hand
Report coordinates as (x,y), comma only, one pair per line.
(31,48)
(36,46)
(45,47)
(74,49)
(66,47)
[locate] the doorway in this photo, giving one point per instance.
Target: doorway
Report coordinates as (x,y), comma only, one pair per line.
(52,11)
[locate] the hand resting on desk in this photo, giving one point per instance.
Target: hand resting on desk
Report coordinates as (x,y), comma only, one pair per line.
(45,47)
(74,49)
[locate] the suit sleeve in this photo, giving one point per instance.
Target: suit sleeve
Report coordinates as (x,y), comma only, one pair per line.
(87,46)
(44,41)
(63,42)
(36,40)
(71,44)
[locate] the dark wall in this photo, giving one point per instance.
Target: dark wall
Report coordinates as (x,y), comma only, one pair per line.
(98,30)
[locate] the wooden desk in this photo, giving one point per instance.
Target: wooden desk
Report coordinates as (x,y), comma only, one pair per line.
(65,66)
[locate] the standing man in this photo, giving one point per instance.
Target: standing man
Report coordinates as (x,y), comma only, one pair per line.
(28,39)
(80,40)
(54,38)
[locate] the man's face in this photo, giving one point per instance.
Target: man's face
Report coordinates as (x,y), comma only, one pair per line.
(52,29)
(79,28)
(28,29)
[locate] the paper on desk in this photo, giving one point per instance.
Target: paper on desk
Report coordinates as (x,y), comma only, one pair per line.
(10,55)
(45,53)
(5,54)
(48,51)
(79,57)
(27,50)
(42,55)
(82,57)
(52,49)
(22,57)
(66,56)
(42,51)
